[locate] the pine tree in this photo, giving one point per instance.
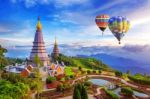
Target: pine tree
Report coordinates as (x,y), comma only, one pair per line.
(80,92)
(76,94)
(84,93)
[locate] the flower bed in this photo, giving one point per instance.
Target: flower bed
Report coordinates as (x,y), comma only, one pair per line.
(52,85)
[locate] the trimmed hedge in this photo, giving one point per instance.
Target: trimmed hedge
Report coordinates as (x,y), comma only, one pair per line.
(88,72)
(127,91)
(111,95)
(139,80)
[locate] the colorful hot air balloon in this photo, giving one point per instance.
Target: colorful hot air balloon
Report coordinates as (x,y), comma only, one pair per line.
(102,22)
(119,26)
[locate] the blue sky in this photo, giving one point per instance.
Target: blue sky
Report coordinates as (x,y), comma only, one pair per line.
(72,21)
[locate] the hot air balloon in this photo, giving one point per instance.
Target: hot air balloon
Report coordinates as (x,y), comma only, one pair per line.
(102,22)
(119,26)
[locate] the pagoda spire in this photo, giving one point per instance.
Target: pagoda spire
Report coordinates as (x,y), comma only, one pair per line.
(39,26)
(55,53)
(56,42)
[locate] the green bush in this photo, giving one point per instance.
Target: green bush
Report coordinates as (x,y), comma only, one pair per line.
(50,79)
(88,71)
(80,92)
(10,90)
(94,71)
(83,72)
(71,76)
(60,87)
(5,97)
(63,86)
(99,71)
(127,91)
(80,68)
(118,73)
(111,95)
(87,83)
(138,78)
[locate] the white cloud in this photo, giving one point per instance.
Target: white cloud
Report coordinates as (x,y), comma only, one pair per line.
(141,15)
(135,52)
(57,3)
(4,29)
(107,6)
(61,3)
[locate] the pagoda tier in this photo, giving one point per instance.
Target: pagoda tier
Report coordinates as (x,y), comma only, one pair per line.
(38,47)
(55,53)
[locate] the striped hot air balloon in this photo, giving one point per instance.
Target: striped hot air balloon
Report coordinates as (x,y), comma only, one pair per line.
(119,26)
(102,22)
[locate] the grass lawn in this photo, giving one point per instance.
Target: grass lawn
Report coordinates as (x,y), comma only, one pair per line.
(68,71)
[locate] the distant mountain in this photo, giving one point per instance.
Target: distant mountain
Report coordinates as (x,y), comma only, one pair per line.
(120,63)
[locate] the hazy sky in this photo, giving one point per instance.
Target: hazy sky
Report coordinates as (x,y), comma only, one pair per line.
(72,21)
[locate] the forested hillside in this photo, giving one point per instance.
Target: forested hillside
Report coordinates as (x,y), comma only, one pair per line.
(90,63)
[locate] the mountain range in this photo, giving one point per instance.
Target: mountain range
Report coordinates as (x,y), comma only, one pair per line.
(120,63)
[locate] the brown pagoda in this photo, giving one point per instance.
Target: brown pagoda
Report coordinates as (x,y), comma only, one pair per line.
(55,52)
(38,47)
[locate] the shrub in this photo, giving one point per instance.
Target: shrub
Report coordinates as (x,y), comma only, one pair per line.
(59,77)
(71,76)
(140,79)
(111,95)
(67,77)
(83,72)
(63,79)
(88,71)
(99,71)
(87,83)
(50,79)
(94,71)
(80,68)
(60,87)
(118,73)
(127,91)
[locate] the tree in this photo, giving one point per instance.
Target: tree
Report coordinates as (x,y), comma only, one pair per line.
(118,73)
(128,72)
(99,71)
(80,68)
(3,60)
(37,61)
(84,94)
(76,93)
(80,92)
(9,90)
(2,51)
